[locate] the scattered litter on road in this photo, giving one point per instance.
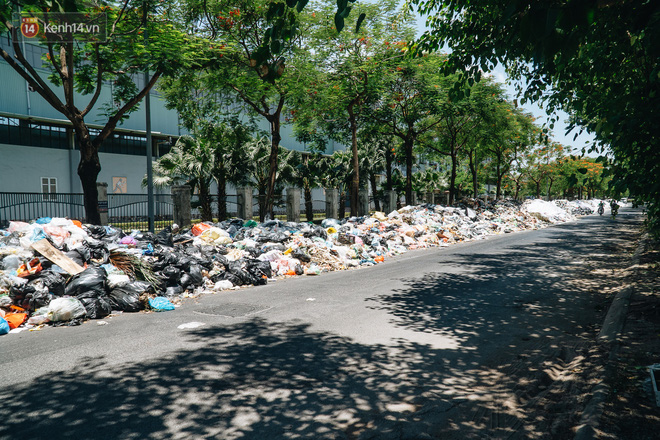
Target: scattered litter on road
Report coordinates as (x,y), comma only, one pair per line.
(190,325)
(55,271)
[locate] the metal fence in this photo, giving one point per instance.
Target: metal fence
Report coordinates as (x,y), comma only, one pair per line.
(131,211)
(127,211)
(30,206)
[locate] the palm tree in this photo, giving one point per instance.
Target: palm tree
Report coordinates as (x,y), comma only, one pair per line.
(190,161)
(258,170)
(305,173)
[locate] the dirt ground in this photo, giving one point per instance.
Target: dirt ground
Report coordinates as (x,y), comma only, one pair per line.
(631,412)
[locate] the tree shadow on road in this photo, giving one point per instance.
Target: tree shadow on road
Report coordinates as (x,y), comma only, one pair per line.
(251,380)
(255,379)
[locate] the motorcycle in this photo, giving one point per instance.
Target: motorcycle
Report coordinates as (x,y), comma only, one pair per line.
(601,210)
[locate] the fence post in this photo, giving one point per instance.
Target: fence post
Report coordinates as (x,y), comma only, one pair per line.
(413,200)
(244,202)
(102,188)
(390,202)
(331,202)
(182,213)
(363,202)
(293,204)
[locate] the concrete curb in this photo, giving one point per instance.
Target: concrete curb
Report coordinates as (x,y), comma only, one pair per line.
(609,334)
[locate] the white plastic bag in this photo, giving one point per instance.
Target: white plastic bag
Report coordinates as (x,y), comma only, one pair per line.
(65,308)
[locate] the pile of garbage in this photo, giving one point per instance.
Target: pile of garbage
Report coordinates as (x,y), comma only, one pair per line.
(56,271)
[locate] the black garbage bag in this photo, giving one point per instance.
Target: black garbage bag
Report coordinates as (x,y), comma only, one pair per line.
(183,262)
(30,296)
(96,307)
(173,291)
(316,231)
(54,282)
(172,274)
(259,269)
(239,276)
(165,238)
(301,255)
(80,255)
(194,276)
(273,247)
(96,231)
(98,250)
(91,282)
(229,276)
(113,235)
(149,237)
(127,297)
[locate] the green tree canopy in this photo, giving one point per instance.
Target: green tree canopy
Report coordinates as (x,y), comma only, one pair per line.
(597,60)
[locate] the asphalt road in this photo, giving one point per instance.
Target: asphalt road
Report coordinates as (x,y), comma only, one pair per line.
(444,343)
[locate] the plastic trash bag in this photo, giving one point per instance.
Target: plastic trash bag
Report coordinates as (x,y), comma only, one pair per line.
(90,288)
(199,228)
(194,277)
(172,274)
(65,309)
(127,297)
(96,307)
(30,296)
(89,283)
(222,285)
(96,231)
(164,237)
(4,326)
(259,269)
(160,304)
(54,281)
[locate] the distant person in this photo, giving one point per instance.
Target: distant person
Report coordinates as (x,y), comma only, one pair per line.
(614,207)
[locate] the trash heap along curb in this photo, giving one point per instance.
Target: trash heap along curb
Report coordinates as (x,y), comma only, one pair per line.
(57,271)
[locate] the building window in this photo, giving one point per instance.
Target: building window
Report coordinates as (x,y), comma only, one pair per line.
(49,188)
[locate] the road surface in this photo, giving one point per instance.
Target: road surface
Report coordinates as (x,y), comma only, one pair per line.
(474,340)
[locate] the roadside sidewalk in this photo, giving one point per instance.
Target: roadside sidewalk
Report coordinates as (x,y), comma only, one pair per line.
(622,406)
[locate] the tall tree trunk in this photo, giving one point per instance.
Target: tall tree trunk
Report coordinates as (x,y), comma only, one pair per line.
(355,181)
(498,191)
(374,190)
(222,196)
(205,201)
(263,205)
(272,177)
(341,212)
(309,212)
(388,169)
(452,178)
(408,145)
(89,168)
(473,169)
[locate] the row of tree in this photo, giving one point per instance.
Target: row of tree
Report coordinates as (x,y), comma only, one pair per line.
(228,65)
(360,88)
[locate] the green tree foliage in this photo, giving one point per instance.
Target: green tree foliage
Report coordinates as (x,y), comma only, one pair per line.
(250,79)
(597,60)
(140,38)
(346,69)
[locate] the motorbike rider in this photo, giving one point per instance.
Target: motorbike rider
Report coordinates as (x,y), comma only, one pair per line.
(614,206)
(601,207)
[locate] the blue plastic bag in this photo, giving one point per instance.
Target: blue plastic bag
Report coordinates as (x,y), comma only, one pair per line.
(4,326)
(43,220)
(160,304)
